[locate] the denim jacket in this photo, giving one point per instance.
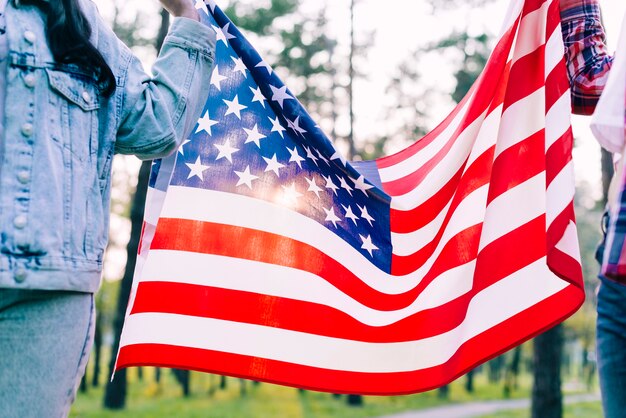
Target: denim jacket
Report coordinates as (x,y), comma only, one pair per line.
(61,135)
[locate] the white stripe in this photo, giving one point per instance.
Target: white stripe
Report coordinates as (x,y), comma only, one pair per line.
(514,208)
(554,50)
(154,202)
(532,32)
(558,119)
(487,136)
(471,211)
(408,166)
(442,171)
(521,120)
(229,209)
(285,282)
(560,193)
(569,242)
(489,308)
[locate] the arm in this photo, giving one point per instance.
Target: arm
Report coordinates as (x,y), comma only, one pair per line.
(158,112)
(588,62)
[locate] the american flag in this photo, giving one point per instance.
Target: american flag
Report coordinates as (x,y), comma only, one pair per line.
(267,256)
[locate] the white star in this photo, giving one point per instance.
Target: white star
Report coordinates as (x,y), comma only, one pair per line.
(180,149)
(234,107)
(350,214)
(345,185)
(280,95)
(273,165)
(331,217)
(219,35)
(240,66)
(211,4)
(339,156)
(295,125)
(205,123)
(319,154)
(309,154)
(217,78)
(368,245)
(361,185)
(365,214)
(258,96)
(295,157)
(245,177)
(330,184)
(291,195)
(313,187)
(254,135)
(264,64)
(277,127)
(226,151)
(197,169)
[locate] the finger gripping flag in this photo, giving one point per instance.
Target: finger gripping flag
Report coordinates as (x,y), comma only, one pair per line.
(265,255)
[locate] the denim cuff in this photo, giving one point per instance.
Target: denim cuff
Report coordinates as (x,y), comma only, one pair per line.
(189,33)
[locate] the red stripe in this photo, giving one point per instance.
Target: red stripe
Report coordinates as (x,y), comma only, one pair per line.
(517,164)
(499,339)
(313,318)
(474,177)
(559,155)
(527,76)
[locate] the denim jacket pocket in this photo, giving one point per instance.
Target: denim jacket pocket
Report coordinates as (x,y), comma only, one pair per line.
(75,101)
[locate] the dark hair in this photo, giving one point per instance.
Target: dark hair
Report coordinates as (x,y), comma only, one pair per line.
(68,32)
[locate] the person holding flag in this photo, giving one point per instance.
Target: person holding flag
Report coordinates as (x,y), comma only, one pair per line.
(598,87)
(71,95)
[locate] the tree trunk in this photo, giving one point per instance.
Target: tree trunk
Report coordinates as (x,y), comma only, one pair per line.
(115,393)
(97,357)
(607,174)
(547,399)
(182,376)
(354,400)
(469,382)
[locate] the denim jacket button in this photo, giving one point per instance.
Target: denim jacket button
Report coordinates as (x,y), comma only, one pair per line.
(27,129)
(30,37)
(20,221)
(86,97)
(20,275)
(23,177)
(30,80)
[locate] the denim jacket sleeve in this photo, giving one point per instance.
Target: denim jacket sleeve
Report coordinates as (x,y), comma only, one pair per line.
(156,113)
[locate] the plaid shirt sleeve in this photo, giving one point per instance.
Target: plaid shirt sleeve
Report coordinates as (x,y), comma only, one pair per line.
(588,62)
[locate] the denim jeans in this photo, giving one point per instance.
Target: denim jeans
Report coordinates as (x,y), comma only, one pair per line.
(611,342)
(45,340)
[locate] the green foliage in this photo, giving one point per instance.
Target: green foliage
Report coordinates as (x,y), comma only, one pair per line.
(260,20)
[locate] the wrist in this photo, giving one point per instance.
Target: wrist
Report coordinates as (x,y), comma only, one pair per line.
(188,12)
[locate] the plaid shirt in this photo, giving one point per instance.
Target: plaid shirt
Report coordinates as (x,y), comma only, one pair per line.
(588,62)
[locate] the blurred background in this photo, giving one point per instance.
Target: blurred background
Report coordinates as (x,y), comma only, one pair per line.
(376,76)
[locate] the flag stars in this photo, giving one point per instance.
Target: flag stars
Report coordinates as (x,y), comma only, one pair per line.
(240,66)
(254,135)
(365,214)
(313,187)
(331,216)
(280,95)
(197,169)
(265,65)
(234,107)
(350,214)
(258,97)
(295,157)
(222,34)
(295,126)
(291,195)
(217,78)
(344,185)
(273,165)
(181,149)
(368,245)
(226,150)
(245,177)
(205,123)
(277,127)
(319,154)
(330,185)
(360,184)
(310,155)
(339,156)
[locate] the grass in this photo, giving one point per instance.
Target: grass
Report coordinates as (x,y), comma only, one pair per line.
(146,399)
(581,410)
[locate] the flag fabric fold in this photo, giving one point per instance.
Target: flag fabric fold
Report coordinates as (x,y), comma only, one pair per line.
(265,255)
